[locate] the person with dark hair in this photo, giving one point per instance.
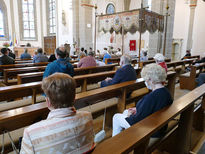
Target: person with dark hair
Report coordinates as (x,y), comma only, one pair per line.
(59,65)
(5,59)
(40,57)
(52,58)
(188,54)
(65,130)
(87,61)
(25,55)
(11,54)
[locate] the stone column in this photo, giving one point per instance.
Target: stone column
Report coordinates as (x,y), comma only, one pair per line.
(193,4)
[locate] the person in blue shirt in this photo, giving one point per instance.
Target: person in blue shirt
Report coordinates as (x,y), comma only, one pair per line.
(125,73)
(59,65)
(107,56)
(40,57)
(154,76)
(25,55)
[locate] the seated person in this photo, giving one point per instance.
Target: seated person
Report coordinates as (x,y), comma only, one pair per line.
(11,54)
(87,61)
(144,56)
(202,60)
(25,55)
(5,59)
(159,59)
(52,58)
(154,76)
(125,73)
(107,56)
(201,79)
(65,130)
(59,65)
(40,57)
(188,54)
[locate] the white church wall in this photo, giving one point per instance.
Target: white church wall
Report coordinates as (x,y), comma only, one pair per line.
(198,47)
(181,25)
(64,24)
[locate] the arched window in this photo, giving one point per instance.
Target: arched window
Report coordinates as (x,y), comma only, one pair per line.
(51,17)
(28,20)
(3,21)
(110,9)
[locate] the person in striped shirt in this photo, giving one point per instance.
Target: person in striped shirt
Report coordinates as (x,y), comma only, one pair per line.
(65,130)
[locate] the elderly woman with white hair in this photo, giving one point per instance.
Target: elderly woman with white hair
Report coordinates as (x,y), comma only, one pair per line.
(123,74)
(154,76)
(159,58)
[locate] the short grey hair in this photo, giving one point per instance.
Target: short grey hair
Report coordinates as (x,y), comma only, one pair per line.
(154,72)
(159,57)
(126,59)
(91,53)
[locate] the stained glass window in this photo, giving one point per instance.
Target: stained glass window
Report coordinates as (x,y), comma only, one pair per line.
(28,19)
(1,24)
(110,9)
(51,16)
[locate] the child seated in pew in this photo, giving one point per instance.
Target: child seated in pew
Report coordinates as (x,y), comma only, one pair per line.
(154,76)
(65,130)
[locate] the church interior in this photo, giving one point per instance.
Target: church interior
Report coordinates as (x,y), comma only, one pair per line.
(42,38)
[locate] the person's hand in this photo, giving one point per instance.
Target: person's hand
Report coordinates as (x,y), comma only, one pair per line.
(108,79)
(131,111)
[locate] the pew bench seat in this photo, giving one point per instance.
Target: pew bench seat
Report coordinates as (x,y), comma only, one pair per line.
(20,103)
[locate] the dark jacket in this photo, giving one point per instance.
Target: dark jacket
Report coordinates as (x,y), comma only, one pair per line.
(126,73)
(149,104)
(59,65)
(6,60)
(12,55)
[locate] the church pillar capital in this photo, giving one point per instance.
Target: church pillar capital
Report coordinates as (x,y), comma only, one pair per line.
(192,3)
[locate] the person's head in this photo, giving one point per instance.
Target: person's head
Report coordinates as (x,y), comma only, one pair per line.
(188,51)
(82,49)
(118,49)
(91,53)
(4,51)
(153,74)
(60,52)
(159,58)
(125,59)
(86,52)
(9,50)
(40,50)
(60,90)
(90,49)
(144,54)
(81,55)
(26,50)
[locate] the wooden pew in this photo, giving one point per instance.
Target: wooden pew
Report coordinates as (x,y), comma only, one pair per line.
(94,69)
(2,67)
(142,64)
(13,72)
(38,76)
(136,138)
(24,116)
(23,61)
(187,80)
(192,57)
(18,59)
(34,88)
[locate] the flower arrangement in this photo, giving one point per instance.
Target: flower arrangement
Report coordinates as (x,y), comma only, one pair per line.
(6,44)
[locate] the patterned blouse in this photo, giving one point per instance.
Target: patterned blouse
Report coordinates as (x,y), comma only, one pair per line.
(64,131)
